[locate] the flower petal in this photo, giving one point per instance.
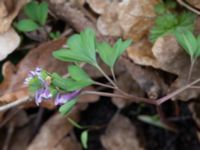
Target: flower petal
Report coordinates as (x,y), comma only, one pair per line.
(63,98)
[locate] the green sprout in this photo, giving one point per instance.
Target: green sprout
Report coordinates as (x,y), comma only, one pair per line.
(36,14)
(191,45)
(169,22)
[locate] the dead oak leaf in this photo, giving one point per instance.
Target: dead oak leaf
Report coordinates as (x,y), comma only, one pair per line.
(194,3)
(126,17)
(9,41)
(172,58)
(120,134)
(9,9)
(56,134)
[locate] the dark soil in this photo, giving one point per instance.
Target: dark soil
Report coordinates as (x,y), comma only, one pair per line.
(150,137)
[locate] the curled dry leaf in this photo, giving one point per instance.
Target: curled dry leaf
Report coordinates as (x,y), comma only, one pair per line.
(141,53)
(8,11)
(9,41)
(120,134)
(127,21)
(99,6)
(56,134)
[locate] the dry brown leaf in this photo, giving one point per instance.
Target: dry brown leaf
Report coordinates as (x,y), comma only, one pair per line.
(127,21)
(172,58)
(120,134)
(167,55)
(194,3)
(8,11)
(126,82)
(140,52)
(99,6)
(56,134)
(147,78)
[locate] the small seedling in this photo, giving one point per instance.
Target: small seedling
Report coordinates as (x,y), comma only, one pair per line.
(55,35)
(36,14)
(169,22)
(191,45)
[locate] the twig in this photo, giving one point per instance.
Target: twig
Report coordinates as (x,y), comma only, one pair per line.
(113,74)
(169,96)
(184,4)
(130,97)
(15,103)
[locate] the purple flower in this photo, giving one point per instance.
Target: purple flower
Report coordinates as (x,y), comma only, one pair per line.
(32,74)
(42,94)
(63,98)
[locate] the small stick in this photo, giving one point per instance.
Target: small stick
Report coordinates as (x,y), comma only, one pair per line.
(15,103)
(184,4)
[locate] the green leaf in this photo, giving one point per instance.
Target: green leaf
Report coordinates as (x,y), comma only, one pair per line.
(81,48)
(67,107)
(30,10)
(37,12)
(153,120)
(105,51)
(34,84)
(26,25)
(84,139)
(197,54)
(74,123)
(73,85)
(55,35)
(160,8)
(169,23)
(188,41)
(120,47)
(42,13)
(78,74)
(110,54)
(59,82)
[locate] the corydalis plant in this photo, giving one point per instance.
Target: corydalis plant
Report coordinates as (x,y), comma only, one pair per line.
(191,45)
(81,47)
(39,82)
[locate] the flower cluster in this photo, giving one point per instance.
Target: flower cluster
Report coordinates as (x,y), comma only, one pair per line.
(44,93)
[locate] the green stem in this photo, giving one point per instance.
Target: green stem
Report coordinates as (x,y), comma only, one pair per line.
(105,75)
(104,85)
(192,62)
(169,96)
(113,74)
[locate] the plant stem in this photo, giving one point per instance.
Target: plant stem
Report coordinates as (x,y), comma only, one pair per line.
(130,97)
(104,85)
(169,96)
(113,74)
(192,62)
(105,75)
(181,2)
